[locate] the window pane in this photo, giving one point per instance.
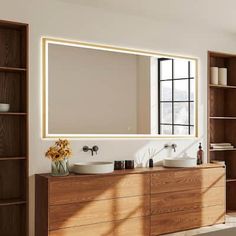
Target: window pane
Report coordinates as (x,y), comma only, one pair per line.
(191,113)
(191,130)
(181,90)
(166,90)
(192,69)
(166,129)
(180,130)
(192,89)
(180,68)
(166,113)
(181,113)
(166,69)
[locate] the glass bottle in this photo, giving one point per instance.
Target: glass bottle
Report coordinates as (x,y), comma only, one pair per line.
(200,155)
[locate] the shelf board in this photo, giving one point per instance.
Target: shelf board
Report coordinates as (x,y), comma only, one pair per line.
(13,113)
(223,149)
(12,69)
(222,86)
(223,117)
(230,180)
(10,202)
(12,158)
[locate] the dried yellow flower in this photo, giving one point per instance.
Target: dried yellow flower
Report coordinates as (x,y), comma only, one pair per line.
(59,151)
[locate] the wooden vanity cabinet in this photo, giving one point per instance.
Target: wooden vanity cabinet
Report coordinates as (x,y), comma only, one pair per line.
(139,202)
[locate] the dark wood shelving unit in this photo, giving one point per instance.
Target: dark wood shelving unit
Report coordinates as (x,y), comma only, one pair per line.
(14,129)
(222,86)
(13,114)
(222,120)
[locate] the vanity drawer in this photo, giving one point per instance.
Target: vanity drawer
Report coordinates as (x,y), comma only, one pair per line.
(136,226)
(85,213)
(178,221)
(187,200)
(89,188)
(172,181)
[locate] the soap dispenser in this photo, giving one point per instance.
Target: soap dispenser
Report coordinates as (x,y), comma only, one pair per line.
(200,155)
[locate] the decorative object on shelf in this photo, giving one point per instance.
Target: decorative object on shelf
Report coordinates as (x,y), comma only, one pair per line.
(119,165)
(151,153)
(221,146)
(129,164)
(59,154)
(200,155)
(218,162)
(214,75)
(222,76)
(4,107)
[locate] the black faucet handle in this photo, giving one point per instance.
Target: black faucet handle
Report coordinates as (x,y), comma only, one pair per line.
(86,148)
(95,149)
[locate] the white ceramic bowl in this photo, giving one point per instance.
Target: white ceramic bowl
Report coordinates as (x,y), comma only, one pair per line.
(93,167)
(4,107)
(180,162)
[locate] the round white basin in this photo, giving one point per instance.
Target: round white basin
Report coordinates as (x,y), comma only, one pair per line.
(180,162)
(93,167)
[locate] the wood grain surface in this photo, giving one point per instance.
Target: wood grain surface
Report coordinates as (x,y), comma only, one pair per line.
(128,227)
(187,200)
(70,215)
(177,221)
(187,180)
(97,188)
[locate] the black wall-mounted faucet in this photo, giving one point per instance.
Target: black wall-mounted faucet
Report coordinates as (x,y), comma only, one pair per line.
(173,146)
(92,149)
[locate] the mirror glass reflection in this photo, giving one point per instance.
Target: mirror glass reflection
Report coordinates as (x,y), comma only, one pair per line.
(93,90)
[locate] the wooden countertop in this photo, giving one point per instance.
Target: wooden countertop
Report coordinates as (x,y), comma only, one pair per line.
(134,171)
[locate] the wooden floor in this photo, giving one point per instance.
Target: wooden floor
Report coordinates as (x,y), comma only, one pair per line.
(227,229)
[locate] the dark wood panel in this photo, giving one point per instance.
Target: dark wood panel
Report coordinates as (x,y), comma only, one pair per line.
(12,179)
(218,61)
(186,180)
(70,190)
(230,98)
(126,227)
(41,206)
(14,129)
(77,214)
(178,221)
(217,101)
(230,196)
(13,90)
(13,220)
(187,200)
(217,131)
(230,160)
(231,73)
(12,136)
(10,47)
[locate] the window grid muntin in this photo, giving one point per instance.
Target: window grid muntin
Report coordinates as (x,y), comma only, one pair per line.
(189,101)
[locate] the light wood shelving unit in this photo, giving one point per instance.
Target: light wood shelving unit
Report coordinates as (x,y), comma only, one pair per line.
(14,129)
(222,120)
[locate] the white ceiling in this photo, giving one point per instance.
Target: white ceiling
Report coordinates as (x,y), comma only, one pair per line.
(217,15)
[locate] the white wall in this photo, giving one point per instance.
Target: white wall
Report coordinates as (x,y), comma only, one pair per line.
(168,28)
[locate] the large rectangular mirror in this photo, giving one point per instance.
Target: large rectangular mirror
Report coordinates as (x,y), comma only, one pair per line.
(100,91)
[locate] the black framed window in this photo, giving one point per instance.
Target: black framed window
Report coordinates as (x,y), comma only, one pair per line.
(176,85)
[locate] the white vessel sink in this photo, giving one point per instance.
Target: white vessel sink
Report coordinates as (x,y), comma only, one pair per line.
(180,162)
(93,167)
